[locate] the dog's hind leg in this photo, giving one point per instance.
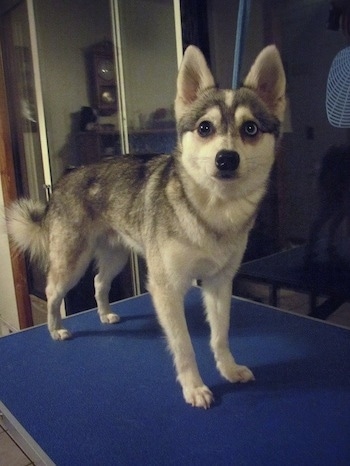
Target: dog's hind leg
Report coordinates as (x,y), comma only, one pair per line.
(217,299)
(62,276)
(110,262)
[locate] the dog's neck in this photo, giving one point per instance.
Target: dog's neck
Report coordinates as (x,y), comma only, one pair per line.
(223,214)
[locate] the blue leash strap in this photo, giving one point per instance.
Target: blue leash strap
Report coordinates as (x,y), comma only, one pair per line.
(242,21)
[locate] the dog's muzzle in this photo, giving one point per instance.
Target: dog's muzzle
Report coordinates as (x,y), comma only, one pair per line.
(226,162)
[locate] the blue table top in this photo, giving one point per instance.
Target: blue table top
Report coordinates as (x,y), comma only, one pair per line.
(109,396)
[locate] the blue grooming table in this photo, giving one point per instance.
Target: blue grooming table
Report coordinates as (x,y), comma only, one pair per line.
(287,269)
(109,396)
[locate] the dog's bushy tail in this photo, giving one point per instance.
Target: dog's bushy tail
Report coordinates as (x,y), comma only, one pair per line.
(26,229)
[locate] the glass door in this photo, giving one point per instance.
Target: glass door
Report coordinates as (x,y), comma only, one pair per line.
(147,62)
(33,177)
(77,69)
(80,95)
(108,72)
(21,89)
(87,80)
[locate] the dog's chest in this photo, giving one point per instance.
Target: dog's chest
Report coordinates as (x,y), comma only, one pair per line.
(205,266)
(205,260)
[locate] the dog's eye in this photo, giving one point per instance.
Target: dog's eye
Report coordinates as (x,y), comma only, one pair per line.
(250,128)
(205,129)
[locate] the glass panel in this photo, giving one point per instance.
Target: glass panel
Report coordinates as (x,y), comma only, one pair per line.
(77,67)
(78,79)
(23,113)
(308,49)
(299,28)
(297,203)
(22,107)
(148,44)
(80,95)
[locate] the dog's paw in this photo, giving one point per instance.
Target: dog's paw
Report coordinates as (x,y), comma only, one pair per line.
(60,334)
(199,397)
(110,318)
(236,373)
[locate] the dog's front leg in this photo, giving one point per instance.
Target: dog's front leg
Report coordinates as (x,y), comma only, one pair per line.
(170,310)
(217,298)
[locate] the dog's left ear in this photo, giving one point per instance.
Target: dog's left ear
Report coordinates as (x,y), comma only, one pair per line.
(267,78)
(194,76)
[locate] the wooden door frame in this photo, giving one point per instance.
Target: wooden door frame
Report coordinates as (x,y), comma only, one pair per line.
(8,181)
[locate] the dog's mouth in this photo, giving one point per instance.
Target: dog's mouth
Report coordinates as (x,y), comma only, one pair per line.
(225,176)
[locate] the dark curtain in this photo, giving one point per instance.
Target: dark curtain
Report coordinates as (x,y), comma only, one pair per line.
(195,25)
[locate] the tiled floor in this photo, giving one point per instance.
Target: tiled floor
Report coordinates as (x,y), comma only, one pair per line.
(12,455)
(299,303)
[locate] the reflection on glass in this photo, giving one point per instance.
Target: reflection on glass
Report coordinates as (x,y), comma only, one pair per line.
(78,79)
(150,67)
(21,92)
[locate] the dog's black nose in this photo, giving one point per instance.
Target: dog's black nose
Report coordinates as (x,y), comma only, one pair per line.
(227,161)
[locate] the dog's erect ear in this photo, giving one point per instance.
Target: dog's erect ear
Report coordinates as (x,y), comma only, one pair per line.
(267,78)
(194,76)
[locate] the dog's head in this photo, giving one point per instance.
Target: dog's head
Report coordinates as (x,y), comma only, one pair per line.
(226,138)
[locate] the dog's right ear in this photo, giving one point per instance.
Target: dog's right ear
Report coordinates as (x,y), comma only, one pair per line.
(194,76)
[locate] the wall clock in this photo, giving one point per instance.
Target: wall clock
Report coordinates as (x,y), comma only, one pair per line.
(102,77)
(105,69)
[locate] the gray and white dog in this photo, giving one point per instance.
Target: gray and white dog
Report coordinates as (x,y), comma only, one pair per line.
(188,214)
